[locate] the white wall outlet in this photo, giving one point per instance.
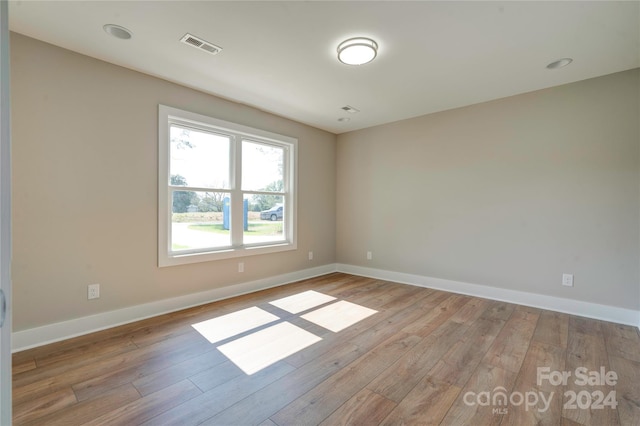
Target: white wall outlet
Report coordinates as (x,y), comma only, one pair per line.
(369,255)
(93,291)
(310,255)
(567,280)
(240,266)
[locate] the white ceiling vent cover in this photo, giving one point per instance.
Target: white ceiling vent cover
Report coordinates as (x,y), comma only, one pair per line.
(199,43)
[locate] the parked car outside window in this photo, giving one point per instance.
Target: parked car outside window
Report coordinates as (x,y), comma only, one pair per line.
(274,213)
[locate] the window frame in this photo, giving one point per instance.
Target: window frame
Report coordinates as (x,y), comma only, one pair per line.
(237,133)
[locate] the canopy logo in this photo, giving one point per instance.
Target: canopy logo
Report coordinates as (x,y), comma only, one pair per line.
(500,400)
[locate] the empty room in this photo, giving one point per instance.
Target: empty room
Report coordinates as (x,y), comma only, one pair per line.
(319,212)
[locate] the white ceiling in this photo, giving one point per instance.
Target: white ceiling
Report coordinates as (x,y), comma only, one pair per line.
(281,56)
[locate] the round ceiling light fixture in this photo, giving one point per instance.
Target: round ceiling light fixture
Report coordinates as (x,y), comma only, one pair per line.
(357,51)
(117,31)
(559,63)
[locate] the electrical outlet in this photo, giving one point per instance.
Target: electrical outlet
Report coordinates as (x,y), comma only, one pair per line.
(310,255)
(240,266)
(567,280)
(369,255)
(93,291)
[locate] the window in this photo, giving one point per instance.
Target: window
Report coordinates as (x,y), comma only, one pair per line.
(224,190)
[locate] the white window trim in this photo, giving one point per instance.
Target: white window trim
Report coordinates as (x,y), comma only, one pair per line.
(165,256)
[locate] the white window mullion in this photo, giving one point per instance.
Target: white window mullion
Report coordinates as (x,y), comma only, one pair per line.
(237,216)
(288,204)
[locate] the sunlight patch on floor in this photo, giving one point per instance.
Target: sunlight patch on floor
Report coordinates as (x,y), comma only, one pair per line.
(220,328)
(302,301)
(339,315)
(259,350)
(262,348)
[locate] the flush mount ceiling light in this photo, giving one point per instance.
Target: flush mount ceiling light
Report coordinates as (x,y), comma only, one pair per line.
(357,51)
(559,63)
(117,31)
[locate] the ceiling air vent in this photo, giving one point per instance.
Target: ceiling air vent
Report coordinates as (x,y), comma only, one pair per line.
(199,43)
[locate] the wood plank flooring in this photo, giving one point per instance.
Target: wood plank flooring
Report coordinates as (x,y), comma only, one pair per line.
(424,357)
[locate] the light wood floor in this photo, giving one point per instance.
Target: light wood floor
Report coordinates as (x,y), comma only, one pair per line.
(416,361)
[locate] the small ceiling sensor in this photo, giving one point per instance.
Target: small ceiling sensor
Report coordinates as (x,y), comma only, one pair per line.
(559,63)
(344,119)
(117,31)
(350,109)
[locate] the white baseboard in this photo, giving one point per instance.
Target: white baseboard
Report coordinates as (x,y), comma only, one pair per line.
(552,303)
(39,336)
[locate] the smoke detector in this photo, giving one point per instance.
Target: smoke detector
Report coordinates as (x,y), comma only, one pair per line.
(201,44)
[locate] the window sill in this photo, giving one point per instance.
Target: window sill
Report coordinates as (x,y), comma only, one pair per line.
(165,260)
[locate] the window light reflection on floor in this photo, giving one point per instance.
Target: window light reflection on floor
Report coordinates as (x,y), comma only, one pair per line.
(339,315)
(258,350)
(302,301)
(220,328)
(264,347)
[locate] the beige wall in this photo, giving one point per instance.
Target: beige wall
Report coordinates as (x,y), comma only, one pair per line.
(85,188)
(510,193)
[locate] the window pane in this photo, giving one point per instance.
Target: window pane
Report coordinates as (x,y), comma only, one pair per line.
(265,218)
(200,220)
(262,167)
(198,158)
